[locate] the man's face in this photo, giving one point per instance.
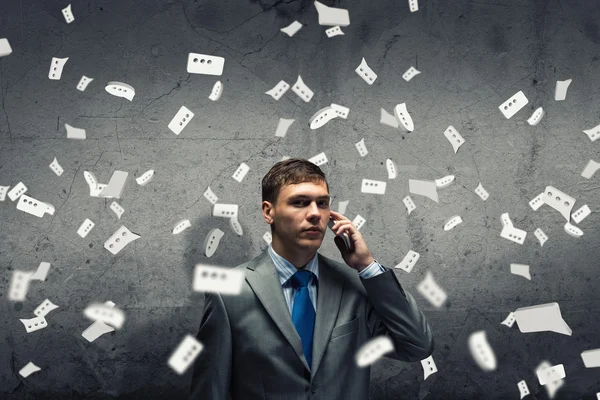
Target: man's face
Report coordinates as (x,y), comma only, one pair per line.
(300,207)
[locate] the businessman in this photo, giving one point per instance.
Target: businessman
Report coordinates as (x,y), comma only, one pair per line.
(295,328)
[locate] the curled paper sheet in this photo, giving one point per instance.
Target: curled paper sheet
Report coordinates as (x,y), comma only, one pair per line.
(540,318)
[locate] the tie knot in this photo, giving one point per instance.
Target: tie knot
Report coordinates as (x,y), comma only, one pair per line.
(301,278)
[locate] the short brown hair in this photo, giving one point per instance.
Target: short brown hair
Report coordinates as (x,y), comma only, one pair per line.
(289,172)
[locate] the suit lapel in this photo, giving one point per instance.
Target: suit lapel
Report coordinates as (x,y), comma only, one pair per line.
(264,281)
(329,295)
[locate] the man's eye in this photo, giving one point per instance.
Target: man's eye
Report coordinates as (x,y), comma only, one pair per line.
(323,203)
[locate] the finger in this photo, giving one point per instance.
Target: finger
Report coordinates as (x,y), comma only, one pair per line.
(340,223)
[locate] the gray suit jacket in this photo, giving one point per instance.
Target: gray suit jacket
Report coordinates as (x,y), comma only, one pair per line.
(252,350)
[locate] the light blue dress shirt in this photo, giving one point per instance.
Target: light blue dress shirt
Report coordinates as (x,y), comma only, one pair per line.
(286,269)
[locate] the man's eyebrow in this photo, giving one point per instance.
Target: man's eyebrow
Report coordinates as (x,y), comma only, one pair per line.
(299,196)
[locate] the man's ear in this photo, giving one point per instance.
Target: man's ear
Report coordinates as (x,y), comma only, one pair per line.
(267,210)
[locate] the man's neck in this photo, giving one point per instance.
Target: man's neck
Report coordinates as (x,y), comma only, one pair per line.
(298,259)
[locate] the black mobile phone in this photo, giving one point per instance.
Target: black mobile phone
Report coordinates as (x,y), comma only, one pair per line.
(344,235)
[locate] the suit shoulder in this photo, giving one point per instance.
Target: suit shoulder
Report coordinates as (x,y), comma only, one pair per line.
(345,273)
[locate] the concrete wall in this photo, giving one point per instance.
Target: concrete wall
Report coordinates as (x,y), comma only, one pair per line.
(472,56)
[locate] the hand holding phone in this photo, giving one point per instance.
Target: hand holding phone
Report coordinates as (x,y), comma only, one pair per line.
(344,235)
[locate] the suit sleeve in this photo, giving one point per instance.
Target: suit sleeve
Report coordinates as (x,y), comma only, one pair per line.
(211,376)
(393,312)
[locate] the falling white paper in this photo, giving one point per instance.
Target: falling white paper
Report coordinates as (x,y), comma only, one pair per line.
(551,374)
(75,133)
(373,186)
(43,309)
(523,389)
(303,91)
(409,261)
(591,358)
(551,387)
(3,191)
(560,201)
(205,64)
(319,159)
(432,291)
(511,106)
(85,227)
(560,92)
(429,367)
(185,354)
(365,72)
(540,318)
(321,117)
(83,83)
(208,278)
(391,168)
(411,72)
(541,236)
(68,14)
(402,115)
(95,330)
(211,242)
(56,168)
(121,238)
(180,120)
(283,126)
(361,147)
(335,31)
(120,89)
(521,270)
(452,222)
(5,48)
(240,172)
(481,192)
(332,16)
(98,328)
(590,169)
(145,178)
(593,133)
(423,188)
(388,119)
(115,186)
(105,313)
(444,181)
(42,272)
(509,320)
(19,285)
(56,68)
(454,137)
(572,230)
(537,202)
(278,90)
(17,191)
(481,351)
(581,213)
(373,350)
(117,209)
(292,28)
(216,91)
(29,369)
(180,226)
(536,116)
(409,203)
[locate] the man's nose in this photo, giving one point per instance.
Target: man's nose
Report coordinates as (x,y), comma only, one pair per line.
(313,210)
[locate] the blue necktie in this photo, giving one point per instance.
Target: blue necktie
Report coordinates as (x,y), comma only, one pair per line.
(303,314)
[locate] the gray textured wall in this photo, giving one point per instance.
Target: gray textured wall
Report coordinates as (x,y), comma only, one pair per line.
(473,56)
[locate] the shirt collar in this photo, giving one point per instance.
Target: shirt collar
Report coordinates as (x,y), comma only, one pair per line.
(286,269)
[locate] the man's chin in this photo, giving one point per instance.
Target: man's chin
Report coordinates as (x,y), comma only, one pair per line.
(310,242)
